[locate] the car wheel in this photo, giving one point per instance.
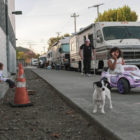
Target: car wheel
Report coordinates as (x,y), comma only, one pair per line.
(123,86)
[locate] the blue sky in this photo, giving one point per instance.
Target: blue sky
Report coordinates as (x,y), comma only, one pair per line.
(41,19)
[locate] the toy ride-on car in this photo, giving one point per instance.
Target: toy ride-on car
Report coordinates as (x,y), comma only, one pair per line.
(127,78)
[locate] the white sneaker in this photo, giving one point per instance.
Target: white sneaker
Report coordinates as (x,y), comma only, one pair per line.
(82,73)
(89,75)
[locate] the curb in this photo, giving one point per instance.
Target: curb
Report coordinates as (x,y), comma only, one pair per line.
(99,127)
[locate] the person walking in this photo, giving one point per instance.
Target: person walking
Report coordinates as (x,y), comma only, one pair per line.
(87,53)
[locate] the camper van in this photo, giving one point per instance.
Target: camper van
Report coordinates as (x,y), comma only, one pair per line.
(104,36)
(60,51)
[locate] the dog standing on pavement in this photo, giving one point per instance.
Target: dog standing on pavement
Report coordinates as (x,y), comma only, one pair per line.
(101,90)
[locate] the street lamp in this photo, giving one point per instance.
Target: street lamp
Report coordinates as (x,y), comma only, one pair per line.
(17,12)
(97,6)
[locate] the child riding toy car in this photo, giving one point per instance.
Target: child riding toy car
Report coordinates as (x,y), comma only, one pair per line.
(127,78)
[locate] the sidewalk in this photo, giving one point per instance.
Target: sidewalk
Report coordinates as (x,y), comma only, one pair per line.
(123,121)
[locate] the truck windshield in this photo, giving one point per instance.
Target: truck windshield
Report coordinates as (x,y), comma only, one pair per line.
(121,32)
(43,59)
(65,48)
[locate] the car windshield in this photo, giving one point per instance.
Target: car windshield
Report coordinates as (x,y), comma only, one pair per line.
(130,69)
(121,32)
(65,48)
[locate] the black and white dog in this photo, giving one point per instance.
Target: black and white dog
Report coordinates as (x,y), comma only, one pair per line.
(101,90)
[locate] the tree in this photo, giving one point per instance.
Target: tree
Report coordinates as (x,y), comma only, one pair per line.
(119,14)
(20,55)
(53,40)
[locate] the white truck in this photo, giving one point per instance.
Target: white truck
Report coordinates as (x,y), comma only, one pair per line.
(104,36)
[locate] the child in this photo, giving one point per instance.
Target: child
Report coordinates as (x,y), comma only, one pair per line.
(8,81)
(116,60)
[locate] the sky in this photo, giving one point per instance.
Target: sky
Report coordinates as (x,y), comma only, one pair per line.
(42,19)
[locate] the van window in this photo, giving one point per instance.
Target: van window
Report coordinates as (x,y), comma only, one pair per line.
(84,38)
(99,34)
(121,32)
(65,48)
(90,37)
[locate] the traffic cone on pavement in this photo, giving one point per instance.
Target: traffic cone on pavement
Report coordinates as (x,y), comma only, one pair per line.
(21,98)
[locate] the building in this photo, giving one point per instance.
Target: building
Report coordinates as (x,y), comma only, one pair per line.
(7,36)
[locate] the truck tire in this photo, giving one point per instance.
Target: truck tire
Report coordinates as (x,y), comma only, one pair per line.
(123,86)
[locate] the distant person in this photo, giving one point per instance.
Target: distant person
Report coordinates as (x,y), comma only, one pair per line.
(86,53)
(116,60)
(2,78)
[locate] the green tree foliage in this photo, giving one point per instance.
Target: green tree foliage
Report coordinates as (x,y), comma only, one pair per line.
(119,14)
(53,40)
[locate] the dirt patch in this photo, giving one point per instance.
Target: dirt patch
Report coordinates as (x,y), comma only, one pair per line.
(49,119)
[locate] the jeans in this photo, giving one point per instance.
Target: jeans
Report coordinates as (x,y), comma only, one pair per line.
(87,65)
(10,83)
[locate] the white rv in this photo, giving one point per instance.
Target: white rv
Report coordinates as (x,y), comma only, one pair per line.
(61,53)
(104,36)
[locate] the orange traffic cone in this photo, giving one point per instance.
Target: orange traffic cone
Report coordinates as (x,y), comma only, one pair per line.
(21,96)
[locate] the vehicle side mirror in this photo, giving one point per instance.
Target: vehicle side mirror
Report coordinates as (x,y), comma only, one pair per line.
(99,40)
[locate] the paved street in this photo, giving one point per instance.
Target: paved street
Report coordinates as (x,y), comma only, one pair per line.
(123,121)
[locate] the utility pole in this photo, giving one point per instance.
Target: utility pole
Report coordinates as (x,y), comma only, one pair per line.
(74,16)
(97,6)
(44,48)
(58,34)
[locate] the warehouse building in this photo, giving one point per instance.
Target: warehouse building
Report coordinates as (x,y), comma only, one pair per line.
(7,36)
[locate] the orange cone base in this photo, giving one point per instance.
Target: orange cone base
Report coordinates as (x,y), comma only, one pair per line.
(20,105)
(21,98)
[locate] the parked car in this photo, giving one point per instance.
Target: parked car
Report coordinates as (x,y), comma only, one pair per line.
(34,62)
(129,77)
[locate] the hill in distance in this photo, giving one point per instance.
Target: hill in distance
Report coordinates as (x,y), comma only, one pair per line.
(25,50)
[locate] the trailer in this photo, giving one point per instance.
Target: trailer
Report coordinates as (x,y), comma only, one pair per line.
(104,36)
